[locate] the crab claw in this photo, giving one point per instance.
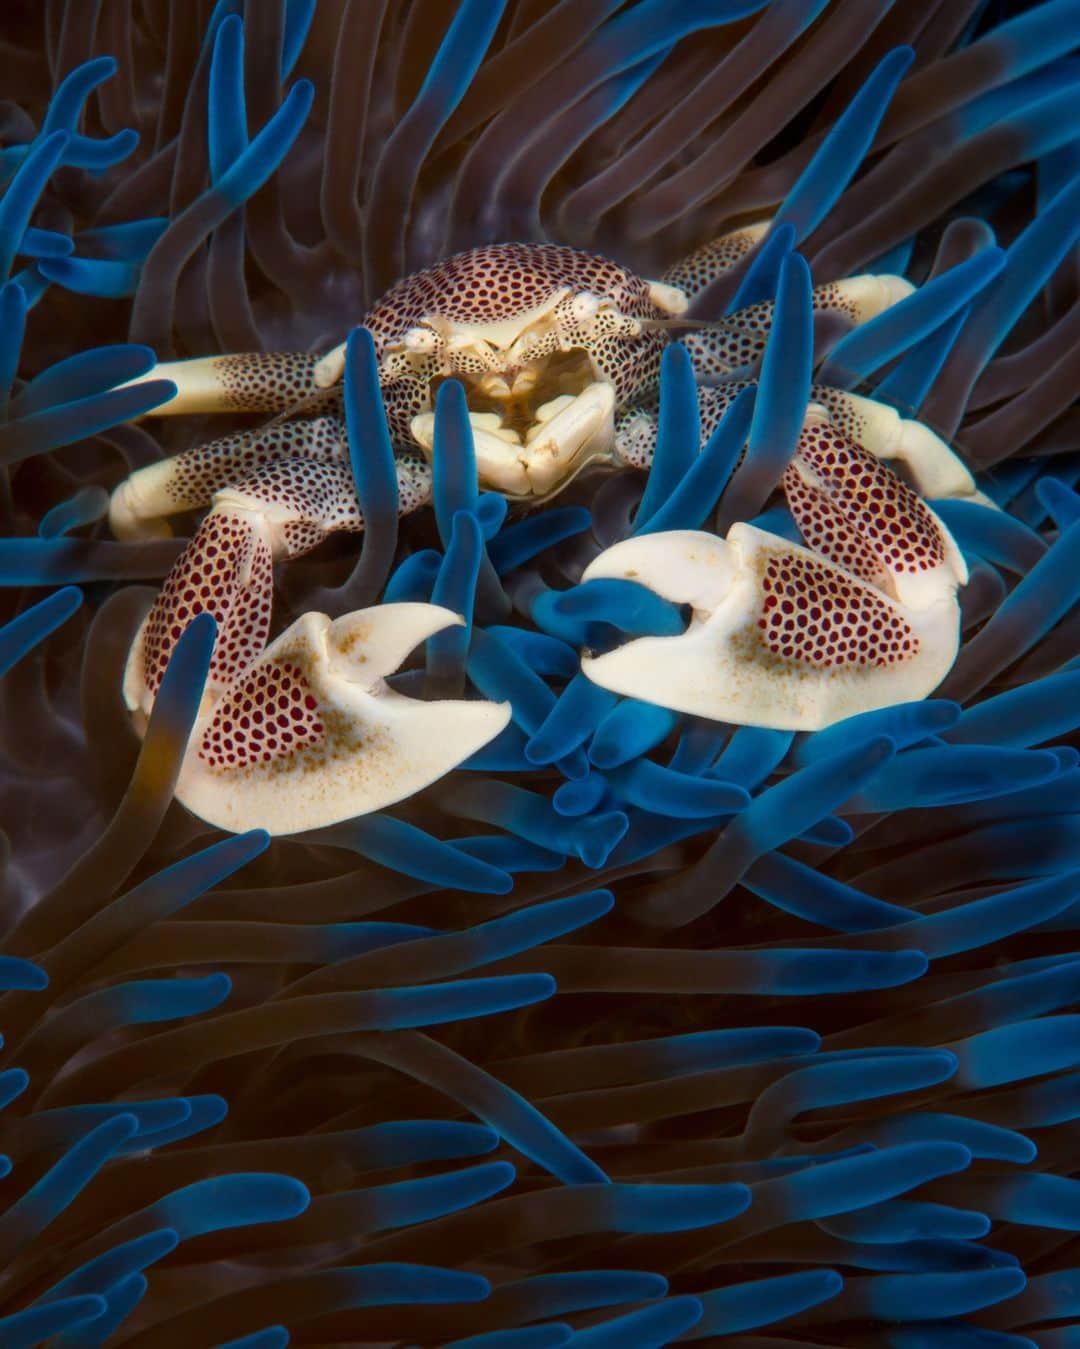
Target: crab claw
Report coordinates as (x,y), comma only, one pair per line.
(311,734)
(779,636)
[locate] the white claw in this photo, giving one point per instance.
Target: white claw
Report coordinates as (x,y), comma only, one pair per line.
(723,667)
(360,748)
(687,566)
(369,644)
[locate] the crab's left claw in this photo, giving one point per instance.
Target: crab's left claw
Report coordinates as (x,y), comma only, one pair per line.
(311,734)
(779,636)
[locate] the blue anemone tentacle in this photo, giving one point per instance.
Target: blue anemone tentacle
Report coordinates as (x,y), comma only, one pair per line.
(843,149)
(22,634)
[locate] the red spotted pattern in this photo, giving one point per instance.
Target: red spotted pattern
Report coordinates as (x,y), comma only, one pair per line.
(740,340)
(497,281)
(828,530)
(269,715)
(896,526)
(814,614)
(694,273)
(226,571)
(267,381)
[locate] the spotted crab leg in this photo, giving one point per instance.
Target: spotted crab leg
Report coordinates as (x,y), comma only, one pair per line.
(739,340)
(188,481)
(281,510)
(929,463)
(244,382)
(140,505)
(696,272)
(786,637)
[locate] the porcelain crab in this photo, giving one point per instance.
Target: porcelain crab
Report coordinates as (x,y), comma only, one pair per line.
(559,353)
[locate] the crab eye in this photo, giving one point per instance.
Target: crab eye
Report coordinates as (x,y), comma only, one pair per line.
(420,340)
(585,306)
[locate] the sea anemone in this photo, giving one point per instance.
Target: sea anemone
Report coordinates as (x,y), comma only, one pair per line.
(717,1034)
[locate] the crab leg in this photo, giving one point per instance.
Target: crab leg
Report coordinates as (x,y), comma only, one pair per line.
(698,270)
(855,511)
(282,510)
(739,339)
(930,464)
(189,480)
(245,382)
(933,468)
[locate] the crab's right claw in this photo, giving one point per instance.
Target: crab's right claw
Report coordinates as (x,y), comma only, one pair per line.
(779,636)
(311,734)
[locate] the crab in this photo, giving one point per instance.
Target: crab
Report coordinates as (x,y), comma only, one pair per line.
(559,354)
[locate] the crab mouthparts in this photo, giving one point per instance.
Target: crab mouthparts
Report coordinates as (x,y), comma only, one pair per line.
(535,425)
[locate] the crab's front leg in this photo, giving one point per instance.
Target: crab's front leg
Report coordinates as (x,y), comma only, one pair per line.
(787,637)
(242,382)
(281,510)
(311,733)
